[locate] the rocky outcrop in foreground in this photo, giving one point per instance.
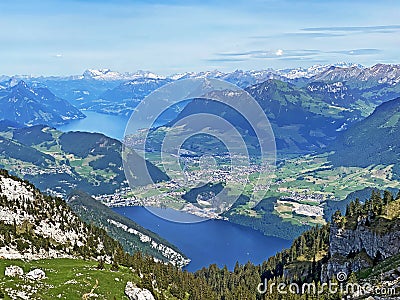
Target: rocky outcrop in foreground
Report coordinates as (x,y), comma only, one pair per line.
(36,274)
(15,271)
(135,293)
(354,249)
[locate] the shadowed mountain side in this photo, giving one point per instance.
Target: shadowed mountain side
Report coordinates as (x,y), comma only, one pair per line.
(372,141)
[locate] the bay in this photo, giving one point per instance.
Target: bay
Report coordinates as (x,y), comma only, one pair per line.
(209,242)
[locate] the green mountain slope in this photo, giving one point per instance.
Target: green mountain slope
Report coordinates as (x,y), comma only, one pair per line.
(372,141)
(60,162)
(301,120)
(132,236)
(33,225)
(80,260)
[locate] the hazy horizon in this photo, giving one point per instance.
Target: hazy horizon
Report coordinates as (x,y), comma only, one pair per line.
(168,37)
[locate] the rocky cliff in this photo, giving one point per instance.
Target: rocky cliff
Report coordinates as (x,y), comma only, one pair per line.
(36,226)
(353,249)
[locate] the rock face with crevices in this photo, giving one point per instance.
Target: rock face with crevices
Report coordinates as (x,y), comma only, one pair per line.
(354,249)
(344,241)
(135,293)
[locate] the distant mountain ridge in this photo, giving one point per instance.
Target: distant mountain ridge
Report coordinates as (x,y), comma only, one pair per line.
(260,75)
(301,119)
(379,73)
(142,83)
(307,107)
(107,74)
(296,73)
(35,105)
(113,92)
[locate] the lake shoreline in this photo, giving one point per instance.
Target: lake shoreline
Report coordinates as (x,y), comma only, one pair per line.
(208,242)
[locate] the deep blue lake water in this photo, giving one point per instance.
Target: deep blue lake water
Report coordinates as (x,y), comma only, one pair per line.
(110,125)
(209,242)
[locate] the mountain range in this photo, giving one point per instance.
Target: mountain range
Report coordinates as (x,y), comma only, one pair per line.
(93,89)
(251,76)
(353,89)
(303,118)
(34,105)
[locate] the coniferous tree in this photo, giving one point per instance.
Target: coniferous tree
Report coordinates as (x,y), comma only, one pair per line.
(100,265)
(387,198)
(114,266)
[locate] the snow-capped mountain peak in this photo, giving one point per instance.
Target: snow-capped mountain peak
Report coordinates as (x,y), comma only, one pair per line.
(314,70)
(101,74)
(380,73)
(145,74)
(107,74)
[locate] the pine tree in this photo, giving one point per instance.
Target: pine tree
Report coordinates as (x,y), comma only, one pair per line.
(303,245)
(387,198)
(337,216)
(357,207)
(114,266)
(100,265)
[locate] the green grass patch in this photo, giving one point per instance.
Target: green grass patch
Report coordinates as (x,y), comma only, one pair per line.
(67,279)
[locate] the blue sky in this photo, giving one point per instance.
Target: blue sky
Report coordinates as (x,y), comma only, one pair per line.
(53,37)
